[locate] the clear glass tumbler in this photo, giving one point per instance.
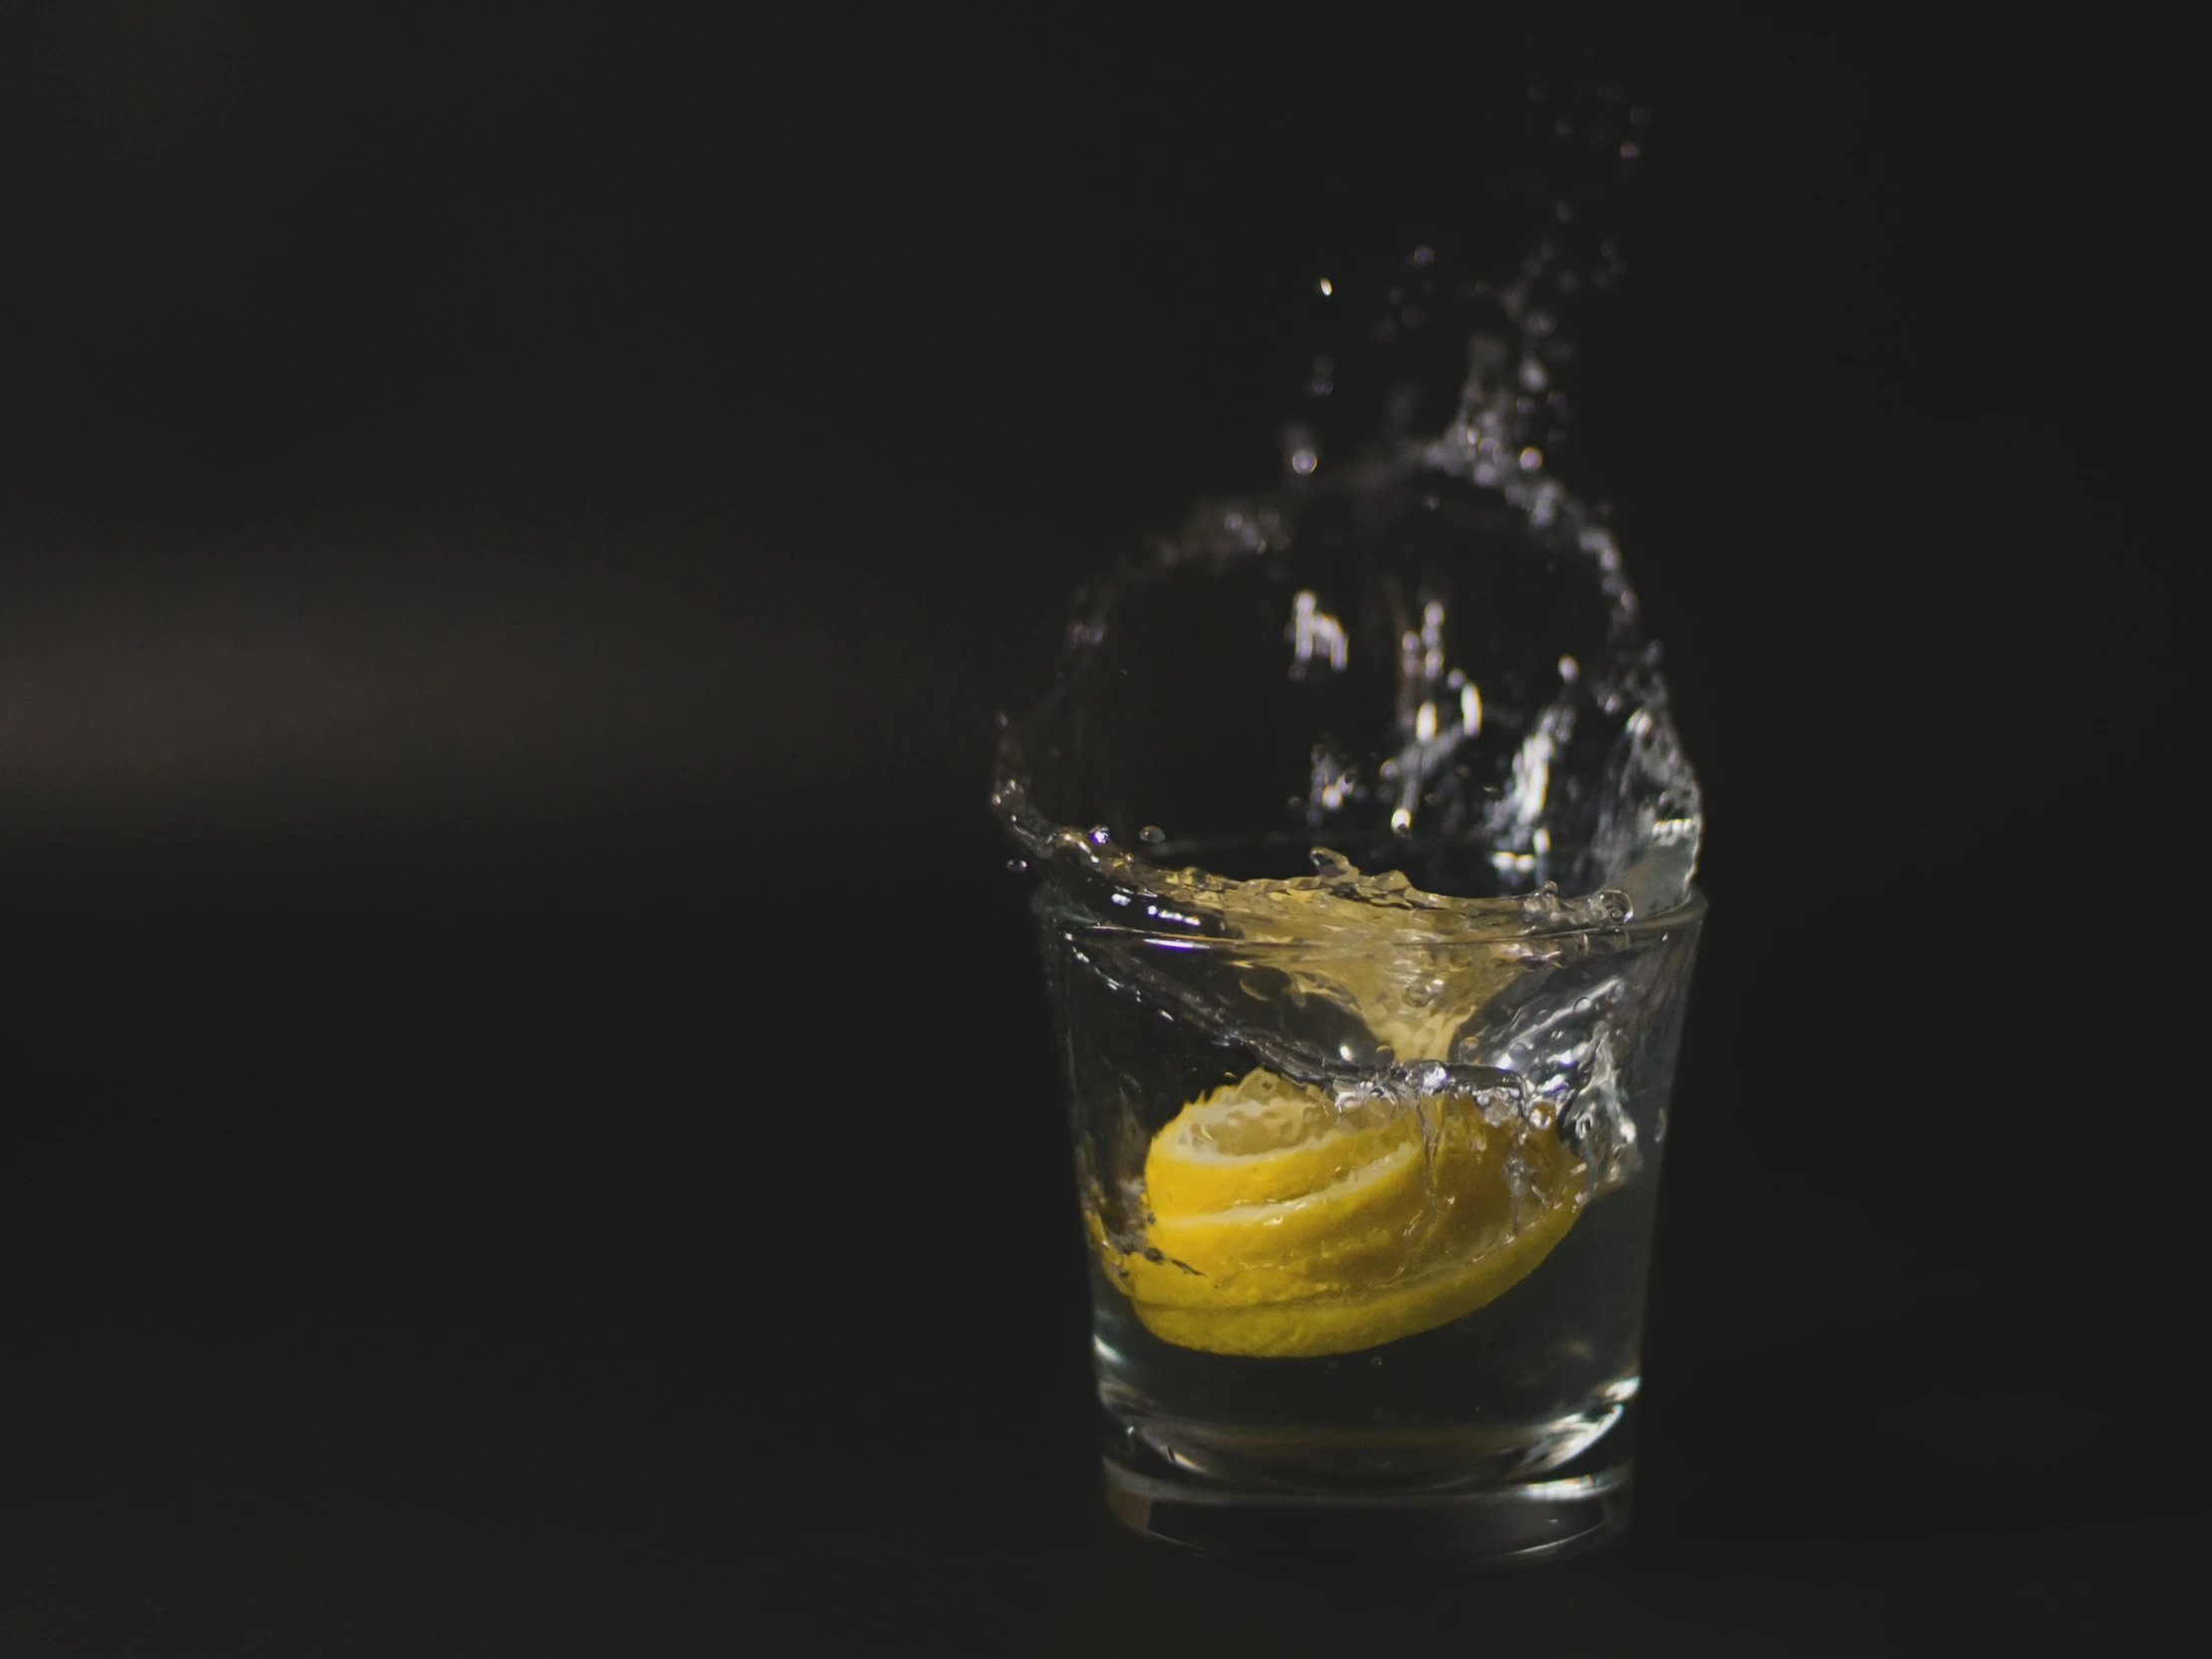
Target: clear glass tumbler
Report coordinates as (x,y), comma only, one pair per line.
(1367,1178)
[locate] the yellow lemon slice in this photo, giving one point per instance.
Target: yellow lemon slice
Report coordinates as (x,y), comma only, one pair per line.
(1379,1199)
(1259,1140)
(1279,1227)
(1347,1320)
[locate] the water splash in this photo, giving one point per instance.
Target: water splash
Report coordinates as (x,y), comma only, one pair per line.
(1419,649)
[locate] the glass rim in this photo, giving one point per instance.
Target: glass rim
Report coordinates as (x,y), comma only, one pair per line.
(1063,853)
(1449,928)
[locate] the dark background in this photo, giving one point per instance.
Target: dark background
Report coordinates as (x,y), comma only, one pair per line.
(511,1004)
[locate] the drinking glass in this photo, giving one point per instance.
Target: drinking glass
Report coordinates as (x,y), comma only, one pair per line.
(1369,1192)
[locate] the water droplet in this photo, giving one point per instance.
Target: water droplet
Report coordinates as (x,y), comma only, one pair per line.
(1301,450)
(1314,632)
(1326,287)
(1531,458)
(1152,836)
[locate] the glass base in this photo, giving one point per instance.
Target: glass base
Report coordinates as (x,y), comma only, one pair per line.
(1518,1525)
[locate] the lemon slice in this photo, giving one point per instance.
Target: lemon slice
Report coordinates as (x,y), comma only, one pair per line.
(1349,1320)
(1260,1139)
(1279,1227)
(1379,1199)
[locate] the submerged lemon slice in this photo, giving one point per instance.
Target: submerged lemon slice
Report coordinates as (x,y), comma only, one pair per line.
(1258,1140)
(1280,1228)
(1376,1202)
(1349,1320)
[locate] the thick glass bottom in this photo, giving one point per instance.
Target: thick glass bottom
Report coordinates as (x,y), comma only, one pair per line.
(1517,1526)
(1461,1496)
(1370,1460)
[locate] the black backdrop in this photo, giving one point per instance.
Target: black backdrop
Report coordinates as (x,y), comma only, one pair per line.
(515,524)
